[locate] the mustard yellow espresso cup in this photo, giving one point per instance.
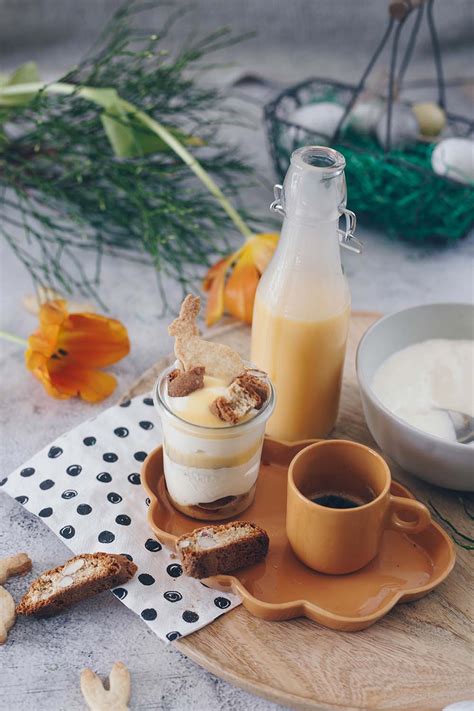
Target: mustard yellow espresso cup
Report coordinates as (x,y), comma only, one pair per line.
(342,540)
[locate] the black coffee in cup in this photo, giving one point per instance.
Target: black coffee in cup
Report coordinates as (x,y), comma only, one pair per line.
(343,500)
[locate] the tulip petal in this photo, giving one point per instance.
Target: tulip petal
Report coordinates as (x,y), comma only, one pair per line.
(93,341)
(214,284)
(263,246)
(241,287)
(91,385)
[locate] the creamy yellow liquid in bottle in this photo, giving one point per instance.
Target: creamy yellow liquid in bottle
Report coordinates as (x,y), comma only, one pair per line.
(302,306)
(304,360)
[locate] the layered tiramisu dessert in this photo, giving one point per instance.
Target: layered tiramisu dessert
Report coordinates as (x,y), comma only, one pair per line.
(214,409)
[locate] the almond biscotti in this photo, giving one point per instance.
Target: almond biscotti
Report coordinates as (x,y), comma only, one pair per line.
(83,576)
(212,550)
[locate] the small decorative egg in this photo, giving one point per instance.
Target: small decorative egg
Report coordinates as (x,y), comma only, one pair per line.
(454,158)
(364,116)
(431,118)
(321,118)
(404,127)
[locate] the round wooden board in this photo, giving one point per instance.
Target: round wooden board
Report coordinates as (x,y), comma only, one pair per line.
(418,658)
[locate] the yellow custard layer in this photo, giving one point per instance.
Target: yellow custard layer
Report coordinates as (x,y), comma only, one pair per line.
(194,408)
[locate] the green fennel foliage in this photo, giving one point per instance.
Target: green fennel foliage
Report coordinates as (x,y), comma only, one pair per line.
(75,176)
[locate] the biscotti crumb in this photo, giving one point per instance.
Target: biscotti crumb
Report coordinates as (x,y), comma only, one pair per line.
(245,393)
(182,383)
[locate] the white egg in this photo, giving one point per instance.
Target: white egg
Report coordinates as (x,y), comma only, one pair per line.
(404,127)
(321,118)
(364,116)
(454,158)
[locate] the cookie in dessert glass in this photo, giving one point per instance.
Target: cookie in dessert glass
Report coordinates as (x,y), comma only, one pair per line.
(214,409)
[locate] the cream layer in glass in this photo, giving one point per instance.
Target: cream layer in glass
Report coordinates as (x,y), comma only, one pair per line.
(211,469)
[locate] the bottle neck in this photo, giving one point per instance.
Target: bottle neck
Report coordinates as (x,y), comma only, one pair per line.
(312,247)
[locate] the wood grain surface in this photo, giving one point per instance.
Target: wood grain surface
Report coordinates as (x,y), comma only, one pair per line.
(420,657)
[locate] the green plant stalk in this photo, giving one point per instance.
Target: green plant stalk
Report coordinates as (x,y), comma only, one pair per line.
(12,338)
(91,94)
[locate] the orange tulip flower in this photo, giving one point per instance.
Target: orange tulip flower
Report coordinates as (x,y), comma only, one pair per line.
(67,350)
(232,282)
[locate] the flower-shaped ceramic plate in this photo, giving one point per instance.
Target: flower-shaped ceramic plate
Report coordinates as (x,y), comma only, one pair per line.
(406,568)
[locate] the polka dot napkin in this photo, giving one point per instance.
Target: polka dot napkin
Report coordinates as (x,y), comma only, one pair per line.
(86,488)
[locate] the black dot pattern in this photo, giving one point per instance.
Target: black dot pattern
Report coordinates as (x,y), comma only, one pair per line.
(175,570)
(66,487)
(84,509)
(172,596)
(149,614)
(190,616)
(74,470)
(106,537)
(121,431)
(146,425)
(67,532)
(121,593)
(222,602)
(146,579)
(104,477)
(114,498)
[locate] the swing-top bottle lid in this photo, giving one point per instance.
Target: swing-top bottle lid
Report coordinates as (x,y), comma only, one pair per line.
(314,188)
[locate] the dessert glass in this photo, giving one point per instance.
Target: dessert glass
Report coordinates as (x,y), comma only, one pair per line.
(210,472)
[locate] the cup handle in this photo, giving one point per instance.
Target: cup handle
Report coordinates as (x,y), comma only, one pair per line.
(399,504)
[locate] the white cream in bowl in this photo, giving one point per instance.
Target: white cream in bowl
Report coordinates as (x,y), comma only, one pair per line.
(414,382)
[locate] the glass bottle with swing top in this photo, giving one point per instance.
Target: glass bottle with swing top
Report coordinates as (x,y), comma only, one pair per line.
(302,305)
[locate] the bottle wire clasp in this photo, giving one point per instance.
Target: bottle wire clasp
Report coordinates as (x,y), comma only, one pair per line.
(347,238)
(276,205)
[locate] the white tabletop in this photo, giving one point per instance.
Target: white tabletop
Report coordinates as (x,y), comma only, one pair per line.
(41,663)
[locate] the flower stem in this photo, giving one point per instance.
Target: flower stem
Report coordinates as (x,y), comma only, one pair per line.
(14,339)
(193,164)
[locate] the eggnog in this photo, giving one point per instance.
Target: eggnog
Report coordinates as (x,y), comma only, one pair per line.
(305,361)
(302,306)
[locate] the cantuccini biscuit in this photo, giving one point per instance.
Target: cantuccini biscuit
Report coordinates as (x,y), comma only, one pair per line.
(83,576)
(213,550)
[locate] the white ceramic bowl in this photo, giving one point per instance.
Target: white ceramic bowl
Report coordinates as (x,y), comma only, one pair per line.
(439,461)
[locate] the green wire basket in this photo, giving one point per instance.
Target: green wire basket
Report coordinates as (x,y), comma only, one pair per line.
(393,189)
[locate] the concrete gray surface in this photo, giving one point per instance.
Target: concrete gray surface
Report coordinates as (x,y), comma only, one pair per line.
(40,665)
